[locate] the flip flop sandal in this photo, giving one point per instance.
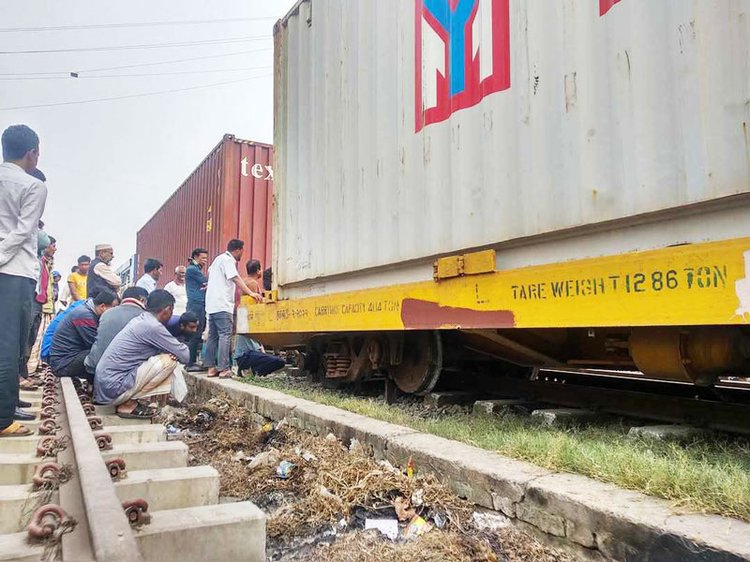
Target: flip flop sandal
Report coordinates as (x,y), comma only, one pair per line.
(15,429)
(226,375)
(140,412)
(27,385)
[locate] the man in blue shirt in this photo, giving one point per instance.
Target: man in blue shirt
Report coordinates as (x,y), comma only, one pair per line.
(195,282)
(76,334)
(50,333)
(183,327)
(250,355)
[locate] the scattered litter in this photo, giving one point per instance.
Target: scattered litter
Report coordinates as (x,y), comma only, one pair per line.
(306,455)
(203,418)
(241,456)
(439,519)
(410,468)
(266,458)
(284,470)
(331,437)
(389,467)
(403,509)
(172,430)
(320,512)
(309,457)
(490,520)
(219,404)
(389,527)
(170,413)
(417,498)
(416,527)
(326,493)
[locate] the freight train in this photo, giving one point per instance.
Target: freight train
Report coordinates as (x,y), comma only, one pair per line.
(227,196)
(545,184)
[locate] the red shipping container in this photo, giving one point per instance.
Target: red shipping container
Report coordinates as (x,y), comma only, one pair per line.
(229,195)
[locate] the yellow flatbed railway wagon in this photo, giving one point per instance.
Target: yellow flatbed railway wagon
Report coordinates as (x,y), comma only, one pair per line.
(558,184)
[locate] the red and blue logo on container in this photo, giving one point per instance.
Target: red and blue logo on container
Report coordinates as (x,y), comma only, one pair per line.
(462,55)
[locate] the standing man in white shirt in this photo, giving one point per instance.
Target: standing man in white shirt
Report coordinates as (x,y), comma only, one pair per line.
(22,200)
(220,293)
(152,273)
(178,290)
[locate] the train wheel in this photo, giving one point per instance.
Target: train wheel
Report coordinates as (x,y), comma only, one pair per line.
(421,363)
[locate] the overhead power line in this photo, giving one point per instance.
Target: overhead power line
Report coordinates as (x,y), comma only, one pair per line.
(143,46)
(134,24)
(69,76)
(131,96)
(139,65)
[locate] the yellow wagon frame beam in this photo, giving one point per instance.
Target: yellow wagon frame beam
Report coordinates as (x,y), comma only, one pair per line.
(696,284)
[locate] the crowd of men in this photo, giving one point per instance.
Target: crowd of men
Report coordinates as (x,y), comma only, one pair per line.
(124,345)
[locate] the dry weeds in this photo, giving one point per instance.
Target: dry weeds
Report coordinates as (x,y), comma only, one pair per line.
(331,483)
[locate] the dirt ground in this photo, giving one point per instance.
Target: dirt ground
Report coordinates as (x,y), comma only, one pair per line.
(320,495)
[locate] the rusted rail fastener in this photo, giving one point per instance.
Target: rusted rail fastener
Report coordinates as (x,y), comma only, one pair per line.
(47,474)
(95,422)
(116,468)
(49,446)
(103,441)
(137,512)
(48,427)
(47,520)
(48,412)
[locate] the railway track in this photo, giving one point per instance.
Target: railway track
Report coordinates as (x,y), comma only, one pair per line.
(86,487)
(724,407)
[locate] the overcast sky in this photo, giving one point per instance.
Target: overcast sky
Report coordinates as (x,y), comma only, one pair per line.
(111,164)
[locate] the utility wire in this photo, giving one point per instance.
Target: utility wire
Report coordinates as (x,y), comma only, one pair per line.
(125,25)
(135,75)
(143,46)
(139,65)
(131,96)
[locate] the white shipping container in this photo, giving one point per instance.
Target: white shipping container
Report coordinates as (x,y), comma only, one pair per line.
(548,129)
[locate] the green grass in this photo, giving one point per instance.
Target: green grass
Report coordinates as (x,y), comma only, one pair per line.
(710,476)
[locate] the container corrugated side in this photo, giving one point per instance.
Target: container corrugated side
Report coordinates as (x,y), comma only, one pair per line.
(613,111)
(229,195)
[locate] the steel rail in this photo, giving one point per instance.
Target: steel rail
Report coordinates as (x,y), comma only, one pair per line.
(112,539)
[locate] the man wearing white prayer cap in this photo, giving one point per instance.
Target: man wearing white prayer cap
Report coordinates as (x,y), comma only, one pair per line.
(101,276)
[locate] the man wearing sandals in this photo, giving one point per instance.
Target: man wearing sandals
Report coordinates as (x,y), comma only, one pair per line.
(140,361)
(22,200)
(223,281)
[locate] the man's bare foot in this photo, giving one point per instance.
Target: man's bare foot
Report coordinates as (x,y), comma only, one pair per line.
(213,372)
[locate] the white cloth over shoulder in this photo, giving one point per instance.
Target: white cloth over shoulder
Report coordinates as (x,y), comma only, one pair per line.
(153,378)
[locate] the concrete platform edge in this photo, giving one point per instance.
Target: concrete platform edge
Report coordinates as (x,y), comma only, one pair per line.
(591,519)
